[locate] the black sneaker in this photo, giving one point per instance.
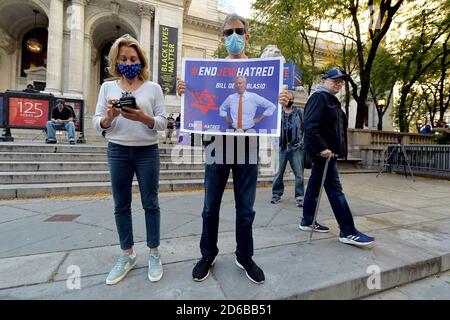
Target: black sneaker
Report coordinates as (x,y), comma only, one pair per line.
(201,269)
(318,227)
(275,199)
(253,272)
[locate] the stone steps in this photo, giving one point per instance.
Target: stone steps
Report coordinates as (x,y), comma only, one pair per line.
(84,176)
(67,148)
(40,170)
(58,157)
(38,166)
(38,190)
(72,156)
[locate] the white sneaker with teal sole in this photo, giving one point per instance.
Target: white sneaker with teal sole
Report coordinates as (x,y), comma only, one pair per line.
(123,265)
(155,270)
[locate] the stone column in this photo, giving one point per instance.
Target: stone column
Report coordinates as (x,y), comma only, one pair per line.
(146,14)
(76,49)
(7,42)
(87,73)
(55,47)
(10,46)
(155,45)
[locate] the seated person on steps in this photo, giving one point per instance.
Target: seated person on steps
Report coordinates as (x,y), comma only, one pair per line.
(62,118)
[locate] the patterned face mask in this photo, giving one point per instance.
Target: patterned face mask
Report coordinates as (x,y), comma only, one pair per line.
(130,71)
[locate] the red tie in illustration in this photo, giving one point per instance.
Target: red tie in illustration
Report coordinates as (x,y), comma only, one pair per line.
(240,113)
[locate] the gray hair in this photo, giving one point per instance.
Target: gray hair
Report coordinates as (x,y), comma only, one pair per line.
(240,77)
(234,17)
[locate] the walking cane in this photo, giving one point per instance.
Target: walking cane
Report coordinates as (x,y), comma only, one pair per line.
(324,175)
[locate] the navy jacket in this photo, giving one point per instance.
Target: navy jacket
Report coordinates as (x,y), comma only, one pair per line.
(325,125)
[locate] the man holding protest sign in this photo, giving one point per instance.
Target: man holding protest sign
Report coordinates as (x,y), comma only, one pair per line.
(245,173)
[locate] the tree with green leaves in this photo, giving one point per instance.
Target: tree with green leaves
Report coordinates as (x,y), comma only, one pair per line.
(426,49)
(434,98)
(287,17)
(288,24)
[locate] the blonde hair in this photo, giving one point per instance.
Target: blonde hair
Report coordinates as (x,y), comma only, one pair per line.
(129,41)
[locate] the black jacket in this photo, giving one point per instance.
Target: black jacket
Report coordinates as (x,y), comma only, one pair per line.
(325,125)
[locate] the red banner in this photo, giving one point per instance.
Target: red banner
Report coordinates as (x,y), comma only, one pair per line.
(24,112)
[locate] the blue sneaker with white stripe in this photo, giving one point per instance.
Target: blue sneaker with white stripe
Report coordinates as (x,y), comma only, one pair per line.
(357,239)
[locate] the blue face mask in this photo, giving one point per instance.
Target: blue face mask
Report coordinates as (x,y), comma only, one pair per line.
(130,71)
(235,43)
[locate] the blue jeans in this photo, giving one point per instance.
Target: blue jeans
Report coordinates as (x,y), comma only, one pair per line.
(53,126)
(124,162)
(295,158)
(244,180)
(334,192)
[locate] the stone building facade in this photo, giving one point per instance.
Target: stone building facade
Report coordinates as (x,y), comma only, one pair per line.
(75,35)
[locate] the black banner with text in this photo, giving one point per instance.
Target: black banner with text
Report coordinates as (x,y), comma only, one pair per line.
(167,67)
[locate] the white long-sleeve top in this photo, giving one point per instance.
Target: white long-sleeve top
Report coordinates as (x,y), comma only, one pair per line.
(149,98)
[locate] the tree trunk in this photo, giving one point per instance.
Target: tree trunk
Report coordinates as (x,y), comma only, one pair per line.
(360,113)
(347,99)
(403,124)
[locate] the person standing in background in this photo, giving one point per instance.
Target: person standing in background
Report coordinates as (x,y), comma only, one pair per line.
(170,127)
(290,150)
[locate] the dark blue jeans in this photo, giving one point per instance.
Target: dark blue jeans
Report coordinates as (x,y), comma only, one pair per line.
(124,162)
(295,158)
(244,180)
(334,192)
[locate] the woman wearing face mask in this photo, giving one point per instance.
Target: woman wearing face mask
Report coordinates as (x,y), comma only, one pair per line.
(132,149)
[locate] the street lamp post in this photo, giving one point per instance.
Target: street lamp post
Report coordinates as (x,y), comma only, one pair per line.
(381,104)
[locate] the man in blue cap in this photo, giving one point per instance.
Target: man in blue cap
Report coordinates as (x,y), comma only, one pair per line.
(326,137)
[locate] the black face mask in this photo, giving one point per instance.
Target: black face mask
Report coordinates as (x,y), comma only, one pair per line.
(290,103)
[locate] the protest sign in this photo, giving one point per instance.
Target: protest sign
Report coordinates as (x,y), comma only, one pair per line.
(243,91)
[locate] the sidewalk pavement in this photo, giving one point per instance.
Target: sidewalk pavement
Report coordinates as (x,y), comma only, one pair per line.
(40,259)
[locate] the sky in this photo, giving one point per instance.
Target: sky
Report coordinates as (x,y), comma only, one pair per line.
(243,7)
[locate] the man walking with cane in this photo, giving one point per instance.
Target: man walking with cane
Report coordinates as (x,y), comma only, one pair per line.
(326,138)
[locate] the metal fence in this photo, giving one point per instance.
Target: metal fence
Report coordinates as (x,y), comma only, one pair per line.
(429,159)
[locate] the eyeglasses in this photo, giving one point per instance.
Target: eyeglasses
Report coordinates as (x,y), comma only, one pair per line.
(229,32)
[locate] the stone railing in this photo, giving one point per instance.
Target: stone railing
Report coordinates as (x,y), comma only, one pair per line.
(370,145)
